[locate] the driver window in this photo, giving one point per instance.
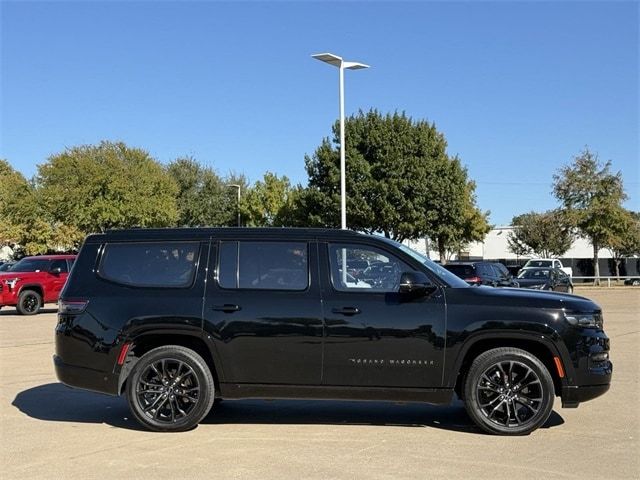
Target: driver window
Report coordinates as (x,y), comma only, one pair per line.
(364,268)
(61,264)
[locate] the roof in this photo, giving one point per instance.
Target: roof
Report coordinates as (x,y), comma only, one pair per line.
(225,232)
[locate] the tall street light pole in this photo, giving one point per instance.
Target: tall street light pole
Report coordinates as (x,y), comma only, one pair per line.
(342,65)
(238,204)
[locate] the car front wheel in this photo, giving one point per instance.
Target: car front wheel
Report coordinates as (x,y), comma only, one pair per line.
(508,391)
(29,302)
(170,389)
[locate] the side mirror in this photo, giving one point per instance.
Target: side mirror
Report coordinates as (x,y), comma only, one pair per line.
(56,271)
(416,283)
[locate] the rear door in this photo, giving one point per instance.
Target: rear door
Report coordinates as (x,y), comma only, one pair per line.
(374,337)
(263,309)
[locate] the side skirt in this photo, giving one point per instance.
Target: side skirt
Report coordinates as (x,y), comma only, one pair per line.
(434,396)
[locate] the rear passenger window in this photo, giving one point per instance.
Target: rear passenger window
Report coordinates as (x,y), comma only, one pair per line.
(170,264)
(263,265)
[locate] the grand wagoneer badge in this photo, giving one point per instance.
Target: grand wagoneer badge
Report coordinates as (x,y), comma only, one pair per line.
(394,362)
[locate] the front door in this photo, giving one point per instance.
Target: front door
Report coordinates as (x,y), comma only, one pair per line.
(56,280)
(263,311)
(376,337)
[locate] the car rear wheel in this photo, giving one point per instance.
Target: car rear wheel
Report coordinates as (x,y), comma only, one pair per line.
(170,389)
(508,391)
(29,302)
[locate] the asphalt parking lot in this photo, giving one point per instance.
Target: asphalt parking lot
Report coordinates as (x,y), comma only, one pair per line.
(51,431)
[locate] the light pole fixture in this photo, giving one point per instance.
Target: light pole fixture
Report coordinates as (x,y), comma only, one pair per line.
(238,204)
(342,65)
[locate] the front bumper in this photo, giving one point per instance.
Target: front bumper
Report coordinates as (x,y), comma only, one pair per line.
(573,396)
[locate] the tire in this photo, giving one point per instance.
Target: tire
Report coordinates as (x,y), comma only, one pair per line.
(29,302)
(635,283)
(170,389)
(498,406)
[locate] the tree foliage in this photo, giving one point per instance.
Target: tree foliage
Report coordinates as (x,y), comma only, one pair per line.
(267,202)
(546,234)
(110,185)
(400,182)
(25,220)
(591,196)
(202,198)
(624,238)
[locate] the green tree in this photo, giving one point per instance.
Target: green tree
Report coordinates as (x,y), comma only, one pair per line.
(545,234)
(453,218)
(110,185)
(202,198)
(26,221)
(591,196)
(624,237)
(400,182)
(267,202)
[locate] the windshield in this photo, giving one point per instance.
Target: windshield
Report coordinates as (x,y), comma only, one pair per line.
(534,274)
(433,267)
(31,265)
(538,263)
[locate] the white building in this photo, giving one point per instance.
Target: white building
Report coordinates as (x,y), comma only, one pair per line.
(495,247)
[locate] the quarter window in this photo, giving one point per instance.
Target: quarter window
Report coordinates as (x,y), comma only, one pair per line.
(170,264)
(364,268)
(263,265)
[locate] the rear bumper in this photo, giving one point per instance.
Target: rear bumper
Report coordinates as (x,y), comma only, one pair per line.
(573,396)
(85,378)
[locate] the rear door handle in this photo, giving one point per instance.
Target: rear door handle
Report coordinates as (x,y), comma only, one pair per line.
(346,310)
(227,308)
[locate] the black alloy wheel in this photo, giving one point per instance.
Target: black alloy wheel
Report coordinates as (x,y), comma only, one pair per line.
(29,302)
(170,389)
(508,391)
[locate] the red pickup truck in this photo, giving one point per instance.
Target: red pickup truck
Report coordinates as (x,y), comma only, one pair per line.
(34,281)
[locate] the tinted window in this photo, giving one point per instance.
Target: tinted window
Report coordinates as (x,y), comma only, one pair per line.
(485,270)
(61,264)
(534,274)
(502,270)
(264,265)
(31,265)
(170,264)
(382,274)
(538,263)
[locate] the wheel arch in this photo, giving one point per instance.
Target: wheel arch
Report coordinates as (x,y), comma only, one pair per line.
(36,287)
(145,342)
(535,345)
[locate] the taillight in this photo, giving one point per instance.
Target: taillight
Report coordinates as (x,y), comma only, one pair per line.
(472,280)
(72,307)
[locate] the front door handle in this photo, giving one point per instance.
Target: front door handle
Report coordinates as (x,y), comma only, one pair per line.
(226,308)
(346,310)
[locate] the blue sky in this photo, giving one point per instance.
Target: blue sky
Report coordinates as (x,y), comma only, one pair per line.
(517,88)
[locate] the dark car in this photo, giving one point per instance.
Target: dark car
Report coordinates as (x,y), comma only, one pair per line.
(174,319)
(482,273)
(632,281)
(545,279)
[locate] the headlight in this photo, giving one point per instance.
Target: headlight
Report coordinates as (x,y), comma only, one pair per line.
(586,320)
(539,287)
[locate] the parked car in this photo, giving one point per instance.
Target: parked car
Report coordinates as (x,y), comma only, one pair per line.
(482,273)
(548,263)
(632,281)
(6,266)
(34,281)
(545,279)
(173,319)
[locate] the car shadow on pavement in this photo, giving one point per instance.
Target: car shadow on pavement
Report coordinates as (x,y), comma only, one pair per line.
(58,403)
(13,311)
(452,417)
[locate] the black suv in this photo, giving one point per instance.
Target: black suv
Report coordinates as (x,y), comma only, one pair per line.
(483,273)
(175,319)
